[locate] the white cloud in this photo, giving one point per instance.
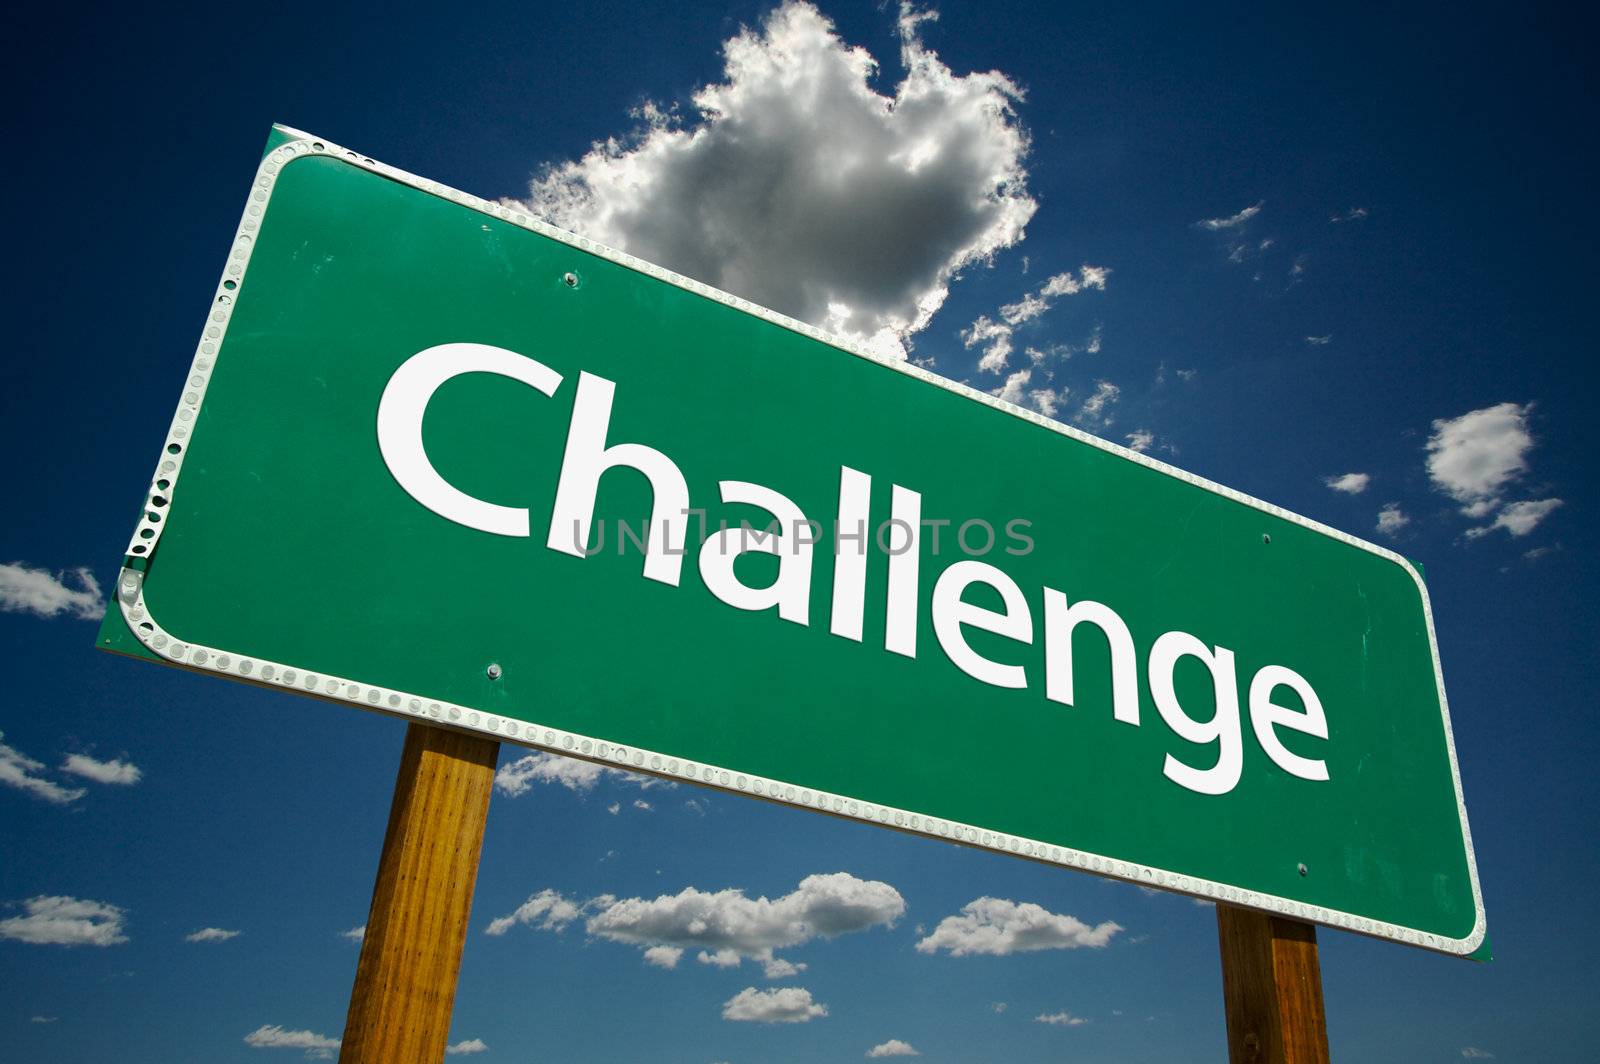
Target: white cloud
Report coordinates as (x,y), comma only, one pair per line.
(273,1036)
(996,341)
(355,934)
(999,1006)
(24,589)
(1060,1019)
(519,776)
(1233,221)
(999,927)
(1093,409)
(1519,518)
(798,186)
(43,1019)
(663,956)
(641,804)
(210,934)
(1354,214)
(1474,1053)
(893,1048)
(1349,483)
(1391,519)
(469,1045)
(778,968)
(786,1004)
(546,910)
(996,337)
(614,808)
(1320,341)
(1474,457)
(1034,304)
(727,925)
(63,921)
(17,770)
(1140,440)
(114,771)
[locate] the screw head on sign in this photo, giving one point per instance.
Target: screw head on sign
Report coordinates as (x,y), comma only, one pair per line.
(493,671)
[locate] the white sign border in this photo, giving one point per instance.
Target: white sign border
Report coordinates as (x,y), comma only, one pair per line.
(135,611)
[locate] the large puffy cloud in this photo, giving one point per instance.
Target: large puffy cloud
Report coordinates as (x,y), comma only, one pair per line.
(726,926)
(797,185)
(63,921)
(786,1004)
(727,920)
(1474,457)
(999,927)
(24,589)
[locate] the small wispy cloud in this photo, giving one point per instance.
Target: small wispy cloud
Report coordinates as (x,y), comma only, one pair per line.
(1474,1053)
(1349,483)
(20,771)
(355,934)
(1391,519)
(1232,221)
(1354,214)
(519,776)
(1060,1019)
(116,772)
(26,589)
(1094,411)
(468,1045)
(274,1036)
(210,934)
(1320,341)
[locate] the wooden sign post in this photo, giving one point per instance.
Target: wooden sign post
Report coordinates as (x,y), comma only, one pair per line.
(406,979)
(1271,989)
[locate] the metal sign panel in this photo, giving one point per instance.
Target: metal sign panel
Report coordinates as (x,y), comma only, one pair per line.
(412,468)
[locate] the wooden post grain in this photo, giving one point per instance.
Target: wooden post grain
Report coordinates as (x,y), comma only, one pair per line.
(406,979)
(1271,989)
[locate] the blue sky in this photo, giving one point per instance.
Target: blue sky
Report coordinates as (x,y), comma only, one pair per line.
(1274,249)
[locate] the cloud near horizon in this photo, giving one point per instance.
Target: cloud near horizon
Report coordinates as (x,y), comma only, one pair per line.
(797,185)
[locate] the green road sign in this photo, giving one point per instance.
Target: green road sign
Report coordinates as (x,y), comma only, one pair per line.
(438,459)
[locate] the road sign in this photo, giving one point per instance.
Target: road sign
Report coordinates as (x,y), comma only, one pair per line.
(438,459)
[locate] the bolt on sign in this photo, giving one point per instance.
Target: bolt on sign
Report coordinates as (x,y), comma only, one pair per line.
(496,476)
